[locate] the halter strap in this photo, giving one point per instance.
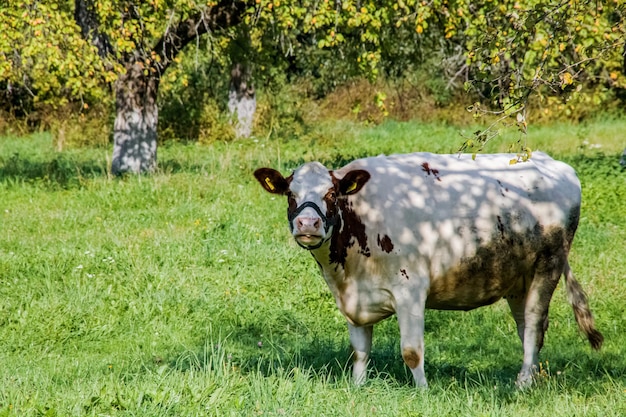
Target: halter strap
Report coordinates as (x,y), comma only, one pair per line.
(327,222)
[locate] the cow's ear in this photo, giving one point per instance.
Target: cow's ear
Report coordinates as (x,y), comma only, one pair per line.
(353,181)
(272,180)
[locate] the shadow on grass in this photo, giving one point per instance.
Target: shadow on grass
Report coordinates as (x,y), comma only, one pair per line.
(59,171)
(472,361)
(329,359)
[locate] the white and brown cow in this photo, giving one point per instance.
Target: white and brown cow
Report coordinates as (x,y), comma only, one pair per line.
(399,234)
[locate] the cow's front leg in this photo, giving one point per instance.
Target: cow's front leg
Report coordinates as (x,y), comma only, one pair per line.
(412,342)
(361,341)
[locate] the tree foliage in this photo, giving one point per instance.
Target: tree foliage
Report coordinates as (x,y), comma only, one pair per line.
(43,58)
(506,52)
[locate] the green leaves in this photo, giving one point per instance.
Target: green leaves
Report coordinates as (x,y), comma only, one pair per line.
(42,52)
(506,50)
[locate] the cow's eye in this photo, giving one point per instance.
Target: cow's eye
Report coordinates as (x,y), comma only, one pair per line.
(331,195)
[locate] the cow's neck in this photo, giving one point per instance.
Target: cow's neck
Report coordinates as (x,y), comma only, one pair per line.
(333,272)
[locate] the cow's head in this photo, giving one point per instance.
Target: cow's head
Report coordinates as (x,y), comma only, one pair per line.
(313,193)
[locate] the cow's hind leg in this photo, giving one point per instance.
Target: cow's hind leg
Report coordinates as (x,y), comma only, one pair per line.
(361,341)
(535,316)
(517,304)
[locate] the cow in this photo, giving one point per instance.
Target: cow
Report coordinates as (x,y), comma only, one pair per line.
(402,233)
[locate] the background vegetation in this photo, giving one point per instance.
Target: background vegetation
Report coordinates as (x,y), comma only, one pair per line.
(361,60)
(182,293)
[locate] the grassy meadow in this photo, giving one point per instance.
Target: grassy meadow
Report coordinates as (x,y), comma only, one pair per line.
(182,293)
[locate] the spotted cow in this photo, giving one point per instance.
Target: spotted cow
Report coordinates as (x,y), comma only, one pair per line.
(403,233)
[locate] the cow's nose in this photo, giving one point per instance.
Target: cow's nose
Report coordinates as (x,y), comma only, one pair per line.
(308,223)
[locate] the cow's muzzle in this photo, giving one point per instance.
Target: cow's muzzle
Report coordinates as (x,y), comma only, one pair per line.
(308,228)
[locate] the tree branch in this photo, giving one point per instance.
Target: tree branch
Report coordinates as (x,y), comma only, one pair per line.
(88,23)
(225,14)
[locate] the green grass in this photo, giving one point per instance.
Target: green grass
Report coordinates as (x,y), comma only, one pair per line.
(182,293)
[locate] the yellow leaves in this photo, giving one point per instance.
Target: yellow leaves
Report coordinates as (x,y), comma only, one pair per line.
(566,79)
(524,155)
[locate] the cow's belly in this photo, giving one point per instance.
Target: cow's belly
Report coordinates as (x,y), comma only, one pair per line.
(465,298)
(480,280)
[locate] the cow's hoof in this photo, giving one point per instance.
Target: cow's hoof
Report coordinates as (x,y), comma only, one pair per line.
(524,380)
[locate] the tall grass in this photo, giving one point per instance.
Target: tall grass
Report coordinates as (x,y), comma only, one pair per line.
(182,294)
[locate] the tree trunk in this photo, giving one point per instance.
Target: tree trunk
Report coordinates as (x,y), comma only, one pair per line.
(135,128)
(241,100)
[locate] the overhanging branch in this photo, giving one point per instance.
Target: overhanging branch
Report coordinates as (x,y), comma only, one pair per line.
(87,20)
(221,16)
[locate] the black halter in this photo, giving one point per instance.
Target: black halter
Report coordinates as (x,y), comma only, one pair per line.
(327,222)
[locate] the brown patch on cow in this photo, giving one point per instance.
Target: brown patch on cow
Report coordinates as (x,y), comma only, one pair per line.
(500,226)
(292,205)
(411,357)
(348,231)
(502,187)
(291,201)
(404,274)
(331,204)
(385,243)
(430,171)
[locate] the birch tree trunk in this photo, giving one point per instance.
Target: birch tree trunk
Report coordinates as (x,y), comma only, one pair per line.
(241,100)
(135,128)
(137,114)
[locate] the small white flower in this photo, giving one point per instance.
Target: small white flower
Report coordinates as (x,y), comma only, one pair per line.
(79,267)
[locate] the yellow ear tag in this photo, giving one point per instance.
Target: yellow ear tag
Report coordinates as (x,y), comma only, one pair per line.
(351,188)
(269,183)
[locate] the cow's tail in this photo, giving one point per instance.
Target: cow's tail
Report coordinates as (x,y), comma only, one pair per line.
(578,300)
